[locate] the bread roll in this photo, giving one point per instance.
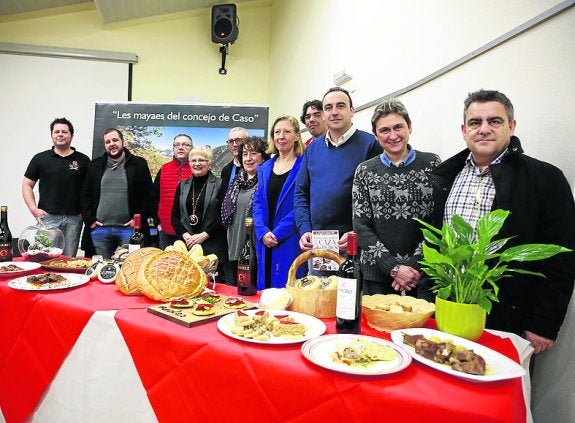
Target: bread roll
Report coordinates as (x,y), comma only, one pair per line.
(170,274)
(126,279)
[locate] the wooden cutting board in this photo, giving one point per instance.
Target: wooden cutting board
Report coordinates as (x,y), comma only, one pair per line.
(184,316)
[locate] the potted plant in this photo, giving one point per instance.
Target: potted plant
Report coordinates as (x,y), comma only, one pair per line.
(466,265)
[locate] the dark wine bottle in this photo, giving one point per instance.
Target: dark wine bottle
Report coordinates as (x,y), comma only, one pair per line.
(153,233)
(349,290)
(5,236)
(136,241)
(247,264)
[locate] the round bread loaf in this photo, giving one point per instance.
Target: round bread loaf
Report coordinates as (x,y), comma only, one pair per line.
(126,280)
(170,274)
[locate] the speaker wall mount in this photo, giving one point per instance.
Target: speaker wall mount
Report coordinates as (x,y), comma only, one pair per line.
(225,29)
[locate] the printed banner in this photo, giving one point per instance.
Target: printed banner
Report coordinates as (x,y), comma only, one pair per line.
(149,129)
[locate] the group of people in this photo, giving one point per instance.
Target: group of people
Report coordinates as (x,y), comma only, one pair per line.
(343,179)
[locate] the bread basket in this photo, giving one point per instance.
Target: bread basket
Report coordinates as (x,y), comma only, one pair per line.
(315,302)
(387,313)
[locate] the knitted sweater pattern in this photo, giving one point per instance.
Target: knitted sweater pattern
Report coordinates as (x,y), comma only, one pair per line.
(385,201)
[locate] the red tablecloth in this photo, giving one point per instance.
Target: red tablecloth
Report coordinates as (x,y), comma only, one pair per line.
(37,330)
(191,373)
(196,372)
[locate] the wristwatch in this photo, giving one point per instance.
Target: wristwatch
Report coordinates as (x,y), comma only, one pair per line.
(393,272)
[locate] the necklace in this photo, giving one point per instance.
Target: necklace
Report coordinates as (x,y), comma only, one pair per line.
(193,218)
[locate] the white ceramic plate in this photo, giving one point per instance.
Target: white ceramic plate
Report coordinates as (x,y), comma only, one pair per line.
(498,366)
(319,351)
(26,266)
(72,280)
(314,327)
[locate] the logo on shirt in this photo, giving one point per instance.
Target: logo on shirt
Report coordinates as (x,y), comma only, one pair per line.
(74,165)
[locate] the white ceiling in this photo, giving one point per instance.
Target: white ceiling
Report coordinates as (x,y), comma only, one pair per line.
(113,10)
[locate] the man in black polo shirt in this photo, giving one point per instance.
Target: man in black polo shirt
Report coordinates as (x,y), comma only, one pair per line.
(61,172)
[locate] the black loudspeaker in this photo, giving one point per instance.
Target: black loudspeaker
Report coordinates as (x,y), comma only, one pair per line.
(224,23)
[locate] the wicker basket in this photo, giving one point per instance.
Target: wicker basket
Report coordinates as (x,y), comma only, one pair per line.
(387,321)
(318,302)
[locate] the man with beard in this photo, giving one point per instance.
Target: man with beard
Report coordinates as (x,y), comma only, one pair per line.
(312,118)
(117,186)
(60,172)
(165,184)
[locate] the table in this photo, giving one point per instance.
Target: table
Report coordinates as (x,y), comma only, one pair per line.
(196,373)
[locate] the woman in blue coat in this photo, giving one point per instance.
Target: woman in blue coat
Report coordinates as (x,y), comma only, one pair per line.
(277,238)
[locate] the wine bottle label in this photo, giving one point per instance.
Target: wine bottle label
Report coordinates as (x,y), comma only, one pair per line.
(133,247)
(5,252)
(346,298)
(244,275)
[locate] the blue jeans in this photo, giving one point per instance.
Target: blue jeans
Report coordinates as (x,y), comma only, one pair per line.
(107,238)
(71,226)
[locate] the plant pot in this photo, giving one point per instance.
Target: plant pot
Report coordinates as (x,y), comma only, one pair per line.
(464,320)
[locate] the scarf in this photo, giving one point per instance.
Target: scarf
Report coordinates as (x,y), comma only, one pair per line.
(240,182)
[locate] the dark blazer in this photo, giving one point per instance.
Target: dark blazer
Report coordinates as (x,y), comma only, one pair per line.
(216,243)
(139,187)
(225,176)
(542,211)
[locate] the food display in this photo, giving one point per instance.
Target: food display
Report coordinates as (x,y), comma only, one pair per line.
(126,279)
(235,302)
(389,312)
(203,308)
(45,278)
(275,298)
(170,274)
(66,265)
(211,296)
(445,352)
(40,243)
(262,324)
(356,354)
(11,268)
(362,352)
(311,294)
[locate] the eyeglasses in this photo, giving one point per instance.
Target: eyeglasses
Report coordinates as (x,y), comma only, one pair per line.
(183,144)
(198,161)
(236,140)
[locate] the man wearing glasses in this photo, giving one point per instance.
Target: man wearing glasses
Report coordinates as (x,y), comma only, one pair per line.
(235,137)
(165,184)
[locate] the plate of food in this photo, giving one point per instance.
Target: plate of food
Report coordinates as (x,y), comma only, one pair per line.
(456,356)
(263,326)
(67,264)
(48,281)
(9,269)
(356,354)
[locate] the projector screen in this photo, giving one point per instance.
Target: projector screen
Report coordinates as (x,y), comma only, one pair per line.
(34,90)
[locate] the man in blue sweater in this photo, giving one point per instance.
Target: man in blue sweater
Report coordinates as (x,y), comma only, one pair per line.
(324,182)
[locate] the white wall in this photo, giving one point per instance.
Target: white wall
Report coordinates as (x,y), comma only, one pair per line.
(36,90)
(387,46)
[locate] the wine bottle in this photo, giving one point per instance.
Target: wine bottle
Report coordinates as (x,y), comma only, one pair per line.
(136,240)
(247,264)
(153,233)
(5,236)
(349,290)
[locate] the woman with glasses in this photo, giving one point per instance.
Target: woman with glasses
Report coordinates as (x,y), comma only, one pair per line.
(238,200)
(277,238)
(195,214)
